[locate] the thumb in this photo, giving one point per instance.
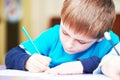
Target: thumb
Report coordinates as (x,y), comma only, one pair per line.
(49,59)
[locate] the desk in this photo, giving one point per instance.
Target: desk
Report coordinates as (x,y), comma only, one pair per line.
(25,75)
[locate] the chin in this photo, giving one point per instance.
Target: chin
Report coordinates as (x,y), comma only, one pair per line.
(70,52)
(73,52)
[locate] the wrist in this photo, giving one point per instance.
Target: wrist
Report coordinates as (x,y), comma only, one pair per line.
(80,66)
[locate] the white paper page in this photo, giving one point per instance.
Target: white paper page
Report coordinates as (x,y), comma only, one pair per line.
(25,75)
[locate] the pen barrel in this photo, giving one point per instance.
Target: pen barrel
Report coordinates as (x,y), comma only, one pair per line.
(29,38)
(114,47)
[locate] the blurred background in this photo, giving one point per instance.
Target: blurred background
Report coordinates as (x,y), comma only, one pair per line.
(36,16)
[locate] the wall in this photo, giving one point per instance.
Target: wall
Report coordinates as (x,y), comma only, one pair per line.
(40,12)
(45,10)
(2,32)
(117,6)
(26,18)
(116,25)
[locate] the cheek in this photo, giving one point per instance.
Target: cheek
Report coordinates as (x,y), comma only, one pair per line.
(63,38)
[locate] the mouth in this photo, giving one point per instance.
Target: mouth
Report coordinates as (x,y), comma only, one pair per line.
(69,51)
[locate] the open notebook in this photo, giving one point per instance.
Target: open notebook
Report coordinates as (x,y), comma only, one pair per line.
(25,75)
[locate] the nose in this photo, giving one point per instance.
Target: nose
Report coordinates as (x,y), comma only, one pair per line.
(70,43)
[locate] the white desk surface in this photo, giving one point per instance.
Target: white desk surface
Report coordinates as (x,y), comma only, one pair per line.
(25,75)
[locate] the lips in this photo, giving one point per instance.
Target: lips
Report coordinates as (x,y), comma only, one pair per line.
(69,51)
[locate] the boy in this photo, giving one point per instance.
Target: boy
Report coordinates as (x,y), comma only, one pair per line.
(78,41)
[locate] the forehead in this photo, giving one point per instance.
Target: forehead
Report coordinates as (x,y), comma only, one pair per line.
(74,35)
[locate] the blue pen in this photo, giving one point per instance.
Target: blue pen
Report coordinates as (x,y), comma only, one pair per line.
(29,38)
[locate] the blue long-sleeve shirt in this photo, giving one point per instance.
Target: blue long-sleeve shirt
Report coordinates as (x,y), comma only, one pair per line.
(49,44)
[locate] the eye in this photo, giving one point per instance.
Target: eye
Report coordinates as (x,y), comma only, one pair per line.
(81,42)
(64,33)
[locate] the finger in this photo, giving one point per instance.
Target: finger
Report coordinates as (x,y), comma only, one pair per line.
(33,69)
(52,71)
(43,59)
(46,61)
(34,65)
(41,67)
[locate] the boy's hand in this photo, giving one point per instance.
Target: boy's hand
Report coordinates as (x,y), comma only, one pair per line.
(37,63)
(67,68)
(112,68)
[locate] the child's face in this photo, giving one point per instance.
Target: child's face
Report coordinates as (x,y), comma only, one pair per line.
(74,43)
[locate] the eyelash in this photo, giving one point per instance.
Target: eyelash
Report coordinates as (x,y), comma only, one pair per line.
(76,40)
(82,42)
(64,33)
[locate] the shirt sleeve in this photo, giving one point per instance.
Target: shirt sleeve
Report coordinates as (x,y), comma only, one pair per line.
(107,58)
(16,58)
(90,64)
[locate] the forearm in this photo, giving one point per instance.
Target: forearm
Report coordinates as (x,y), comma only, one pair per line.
(16,58)
(111,68)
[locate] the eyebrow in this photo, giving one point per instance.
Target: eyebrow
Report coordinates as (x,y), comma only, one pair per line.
(76,39)
(85,41)
(64,31)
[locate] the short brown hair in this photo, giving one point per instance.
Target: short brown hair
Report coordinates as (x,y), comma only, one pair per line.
(90,17)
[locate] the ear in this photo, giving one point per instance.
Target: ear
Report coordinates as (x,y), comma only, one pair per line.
(100,39)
